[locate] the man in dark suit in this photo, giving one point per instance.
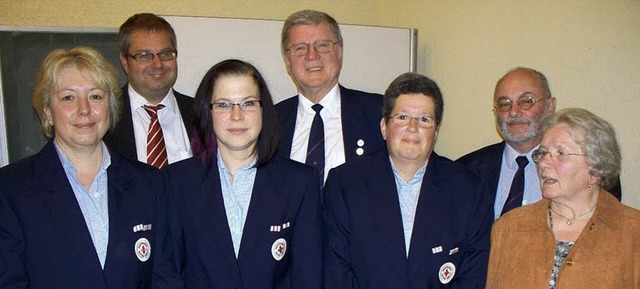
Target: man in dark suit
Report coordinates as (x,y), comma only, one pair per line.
(406,217)
(312,51)
(522,99)
(148,56)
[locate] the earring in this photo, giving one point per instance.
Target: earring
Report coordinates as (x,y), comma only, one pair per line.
(589,186)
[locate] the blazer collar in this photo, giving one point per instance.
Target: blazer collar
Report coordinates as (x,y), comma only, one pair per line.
(352,114)
(386,211)
(62,207)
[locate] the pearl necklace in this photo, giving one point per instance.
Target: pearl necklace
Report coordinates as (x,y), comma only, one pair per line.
(570,221)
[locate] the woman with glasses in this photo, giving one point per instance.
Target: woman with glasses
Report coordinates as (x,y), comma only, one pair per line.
(241,217)
(406,217)
(578,235)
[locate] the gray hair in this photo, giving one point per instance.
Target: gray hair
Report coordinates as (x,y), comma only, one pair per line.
(308,17)
(597,139)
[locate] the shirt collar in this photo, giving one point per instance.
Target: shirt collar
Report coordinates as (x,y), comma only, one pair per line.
(510,155)
(330,103)
(68,165)
(137,101)
(417,177)
(247,167)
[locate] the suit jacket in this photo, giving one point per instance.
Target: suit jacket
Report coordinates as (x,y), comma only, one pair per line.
(364,240)
(284,192)
(45,242)
(121,138)
(361,114)
(606,255)
(487,162)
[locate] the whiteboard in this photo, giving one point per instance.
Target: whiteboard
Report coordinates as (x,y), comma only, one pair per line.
(373,56)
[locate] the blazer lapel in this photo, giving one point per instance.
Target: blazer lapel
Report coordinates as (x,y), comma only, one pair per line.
(388,219)
(493,168)
(119,183)
(351,114)
(266,199)
(287,115)
(210,215)
(429,224)
(62,206)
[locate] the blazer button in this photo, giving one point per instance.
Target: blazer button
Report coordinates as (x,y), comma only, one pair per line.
(569,262)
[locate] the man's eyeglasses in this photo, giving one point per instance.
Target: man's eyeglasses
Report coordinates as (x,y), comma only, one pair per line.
(247,105)
(525,102)
(556,157)
(321,46)
(423,121)
(147,57)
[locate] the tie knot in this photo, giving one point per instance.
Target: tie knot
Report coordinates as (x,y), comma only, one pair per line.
(522,161)
(153,109)
(317,107)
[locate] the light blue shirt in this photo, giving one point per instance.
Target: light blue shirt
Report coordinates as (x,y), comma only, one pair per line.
(93,202)
(408,194)
(508,168)
(237,197)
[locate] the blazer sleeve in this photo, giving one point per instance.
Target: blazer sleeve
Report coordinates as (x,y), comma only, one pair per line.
(338,273)
(306,248)
(13,273)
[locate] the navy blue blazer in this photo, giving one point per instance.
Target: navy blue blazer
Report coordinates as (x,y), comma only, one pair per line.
(121,138)
(284,192)
(361,114)
(487,162)
(44,240)
(364,239)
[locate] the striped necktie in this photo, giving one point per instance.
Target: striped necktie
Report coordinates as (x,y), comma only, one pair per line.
(156,149)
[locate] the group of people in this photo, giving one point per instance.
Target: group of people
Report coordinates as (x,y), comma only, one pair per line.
(331,188)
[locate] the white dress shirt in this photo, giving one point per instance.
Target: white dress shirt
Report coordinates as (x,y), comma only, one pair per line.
(333,140)
(508,168)
(176,138)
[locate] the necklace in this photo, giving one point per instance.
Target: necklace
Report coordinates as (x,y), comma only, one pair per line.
(570,221)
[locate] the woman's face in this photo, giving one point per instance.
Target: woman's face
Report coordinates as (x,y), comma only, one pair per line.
(78,110)
(236,129)
(564,177)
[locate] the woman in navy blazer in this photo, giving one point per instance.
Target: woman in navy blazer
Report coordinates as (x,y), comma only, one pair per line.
(76,215)
(240,217)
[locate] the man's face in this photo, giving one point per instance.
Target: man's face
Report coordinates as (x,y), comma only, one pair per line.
(518,125)
(314,73)
(154,79)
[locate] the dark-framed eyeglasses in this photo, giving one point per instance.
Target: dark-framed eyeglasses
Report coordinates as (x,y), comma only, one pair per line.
(321,46)
(147,57)
(525,102)
(423,121)
(556,157)
(226,106)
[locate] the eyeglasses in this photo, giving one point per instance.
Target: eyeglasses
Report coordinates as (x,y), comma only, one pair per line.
(525,102)
(321,46)
(423,121)
(556,157)
(247,105)
(147,57)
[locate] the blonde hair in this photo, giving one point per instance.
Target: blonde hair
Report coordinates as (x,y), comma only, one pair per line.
(89,61)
